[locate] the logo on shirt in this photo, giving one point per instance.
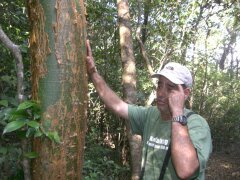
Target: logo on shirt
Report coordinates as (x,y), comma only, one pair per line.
(158,143)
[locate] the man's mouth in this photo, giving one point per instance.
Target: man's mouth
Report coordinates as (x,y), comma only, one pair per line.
(161,102)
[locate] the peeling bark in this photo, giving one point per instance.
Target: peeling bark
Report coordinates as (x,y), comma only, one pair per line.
(60,85)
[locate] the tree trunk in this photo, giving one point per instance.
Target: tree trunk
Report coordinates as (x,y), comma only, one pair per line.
(129,81)
(147,10)
(59,83)
(227,48)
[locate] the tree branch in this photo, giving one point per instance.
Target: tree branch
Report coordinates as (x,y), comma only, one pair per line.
(144,54)
(15,49)
(149,66)
(18,57)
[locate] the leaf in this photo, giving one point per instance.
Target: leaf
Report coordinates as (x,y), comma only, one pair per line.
(43,130)
(38,133)
(53,136)
(25,105)
(33,124)
(15,115)
(14,125)
(31,155)
(36,116)
(56,138)
(4,103)
(30,132)
(24,48)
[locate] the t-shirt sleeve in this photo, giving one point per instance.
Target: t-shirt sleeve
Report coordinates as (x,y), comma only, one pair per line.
(136,116)
(201,138)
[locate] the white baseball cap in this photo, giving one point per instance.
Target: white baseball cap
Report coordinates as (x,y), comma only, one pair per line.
(176,73)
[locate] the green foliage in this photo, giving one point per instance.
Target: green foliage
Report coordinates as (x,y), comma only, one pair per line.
(7,84)
(20,122)
(13,126)
(217,99)
(14,23)
(104,38)
(98,164)
(145,86)
(10,155)
(4,103)
(101,159)
(25,118)
(14,19)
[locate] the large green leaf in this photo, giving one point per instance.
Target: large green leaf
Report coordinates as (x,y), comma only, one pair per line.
(33,124)
(25,105)
(14,125)
(14,114)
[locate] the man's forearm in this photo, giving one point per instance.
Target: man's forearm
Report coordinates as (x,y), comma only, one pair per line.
(184,155)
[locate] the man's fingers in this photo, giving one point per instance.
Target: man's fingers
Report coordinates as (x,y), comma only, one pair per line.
(89,50)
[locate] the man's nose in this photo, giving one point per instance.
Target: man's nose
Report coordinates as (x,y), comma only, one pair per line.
(162,91)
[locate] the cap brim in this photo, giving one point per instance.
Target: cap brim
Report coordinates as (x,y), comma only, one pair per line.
(168,76)
(156,75)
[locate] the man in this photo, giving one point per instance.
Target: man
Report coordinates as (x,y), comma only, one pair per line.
(165,126)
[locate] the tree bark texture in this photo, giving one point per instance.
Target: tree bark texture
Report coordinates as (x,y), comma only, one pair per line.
(129,80)
(59,83)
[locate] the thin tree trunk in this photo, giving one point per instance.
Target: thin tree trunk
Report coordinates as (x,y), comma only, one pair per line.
(59,81)
(237,67)
(129,81)
(227,48)
(15,49)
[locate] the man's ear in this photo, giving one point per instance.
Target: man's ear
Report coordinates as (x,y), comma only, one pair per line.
(186,93)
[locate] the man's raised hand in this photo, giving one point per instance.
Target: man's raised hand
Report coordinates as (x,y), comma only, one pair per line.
(176,101)
(91,68)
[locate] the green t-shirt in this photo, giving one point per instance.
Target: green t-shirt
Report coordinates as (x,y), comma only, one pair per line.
(156,133)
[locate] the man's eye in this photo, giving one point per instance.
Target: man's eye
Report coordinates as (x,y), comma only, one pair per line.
(172,86)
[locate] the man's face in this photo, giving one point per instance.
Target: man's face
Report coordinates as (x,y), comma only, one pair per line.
(165,87)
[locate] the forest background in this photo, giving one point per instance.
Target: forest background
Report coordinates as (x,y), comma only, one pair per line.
(203,35)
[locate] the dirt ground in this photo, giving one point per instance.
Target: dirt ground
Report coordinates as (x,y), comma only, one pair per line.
(224,166)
